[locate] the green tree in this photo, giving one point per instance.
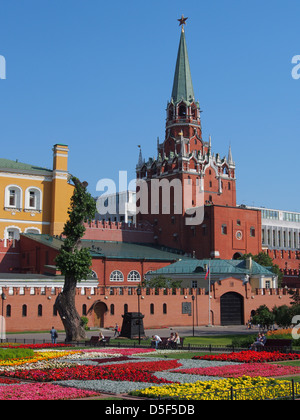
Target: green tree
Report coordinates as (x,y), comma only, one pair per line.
(161,281)
(283,316)
(264,317)
(295,296)
(73,261)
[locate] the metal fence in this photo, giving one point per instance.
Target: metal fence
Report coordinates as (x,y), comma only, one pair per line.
(290,390)
(208,348)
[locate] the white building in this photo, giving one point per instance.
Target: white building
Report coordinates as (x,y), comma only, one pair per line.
(280,229)
(119,207)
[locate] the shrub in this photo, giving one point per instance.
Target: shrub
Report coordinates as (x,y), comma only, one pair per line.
(244,341)
(7,354)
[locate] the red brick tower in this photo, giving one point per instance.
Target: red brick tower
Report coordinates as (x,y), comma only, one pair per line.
(184,160)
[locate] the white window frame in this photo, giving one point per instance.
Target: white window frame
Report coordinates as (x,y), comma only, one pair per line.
(134,275)
(18,197)
(37,197)
(16,230)
(116,276)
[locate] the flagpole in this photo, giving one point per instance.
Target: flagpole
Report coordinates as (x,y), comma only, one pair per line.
(209,309)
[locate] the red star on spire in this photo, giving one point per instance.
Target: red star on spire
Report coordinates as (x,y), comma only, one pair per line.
(182,21)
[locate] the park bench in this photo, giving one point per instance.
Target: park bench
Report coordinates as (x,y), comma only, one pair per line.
(164,342)
(94,341)
(282,345)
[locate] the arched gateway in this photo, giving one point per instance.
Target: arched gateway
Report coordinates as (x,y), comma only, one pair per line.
(232,309)
(99,311)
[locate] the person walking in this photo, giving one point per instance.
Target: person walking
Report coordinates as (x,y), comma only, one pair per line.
(116,330)
(54,335)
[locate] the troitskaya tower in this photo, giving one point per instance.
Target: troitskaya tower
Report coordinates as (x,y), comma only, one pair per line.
(184,154)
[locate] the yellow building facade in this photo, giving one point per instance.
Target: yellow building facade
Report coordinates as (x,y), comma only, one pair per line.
(34,199)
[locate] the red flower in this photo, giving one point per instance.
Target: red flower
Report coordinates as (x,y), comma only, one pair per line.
(250,357)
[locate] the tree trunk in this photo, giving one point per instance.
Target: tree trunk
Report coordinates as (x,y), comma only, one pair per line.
(65,304)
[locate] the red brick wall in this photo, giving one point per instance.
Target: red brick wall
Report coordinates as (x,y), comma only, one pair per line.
(173,317)
(121,232)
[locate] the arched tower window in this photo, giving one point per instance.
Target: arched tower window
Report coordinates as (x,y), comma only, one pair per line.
(182,110)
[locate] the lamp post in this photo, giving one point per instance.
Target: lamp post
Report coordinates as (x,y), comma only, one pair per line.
(193,300)
(3,298)
(207,268)
(139,292)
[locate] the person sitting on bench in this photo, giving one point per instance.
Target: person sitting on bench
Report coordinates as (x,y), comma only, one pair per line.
(260,342)
(101,338)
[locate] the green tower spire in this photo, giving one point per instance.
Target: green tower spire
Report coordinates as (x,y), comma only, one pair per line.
(182,85)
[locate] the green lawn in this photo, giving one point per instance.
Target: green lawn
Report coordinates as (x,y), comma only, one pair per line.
(214,340)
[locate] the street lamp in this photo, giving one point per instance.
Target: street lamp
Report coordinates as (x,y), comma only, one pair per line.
(193,299)
(3,298)
(139,292)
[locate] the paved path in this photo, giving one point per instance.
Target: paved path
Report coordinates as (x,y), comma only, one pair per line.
(164,332)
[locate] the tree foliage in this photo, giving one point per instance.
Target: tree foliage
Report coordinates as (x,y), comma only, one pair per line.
(161,281)
(73,261)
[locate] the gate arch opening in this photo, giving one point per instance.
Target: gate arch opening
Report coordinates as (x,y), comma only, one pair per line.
(100,308)
(232,309)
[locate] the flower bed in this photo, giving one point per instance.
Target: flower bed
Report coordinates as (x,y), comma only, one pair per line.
(123,352)
(34,346)
(243,388)
(6,381)
(42,392)
(111,372)
(38,356)
(250,357)
(235,371)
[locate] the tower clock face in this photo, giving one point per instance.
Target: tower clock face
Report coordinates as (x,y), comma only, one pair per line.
(239,235)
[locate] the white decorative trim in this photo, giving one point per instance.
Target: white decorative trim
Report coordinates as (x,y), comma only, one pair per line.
(34,228)
(24,176)
(19,197)
(24,221)
(39,199)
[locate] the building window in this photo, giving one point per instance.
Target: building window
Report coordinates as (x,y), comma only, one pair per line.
(54,310)
(151,308)
(112,309)
(33,199)
(252,232)
(13,197)
(194,284)
(8,311)
(224,229)
(268,284)
(24,310)
(164,308)
(125,308)
(84,309)
(116,276)
(134,276)
(40,310)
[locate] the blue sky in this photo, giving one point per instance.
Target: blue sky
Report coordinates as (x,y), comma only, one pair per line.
(97,76)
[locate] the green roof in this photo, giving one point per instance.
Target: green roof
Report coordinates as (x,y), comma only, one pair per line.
(15,166)
(182,85)
(233,267)
(113,249)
